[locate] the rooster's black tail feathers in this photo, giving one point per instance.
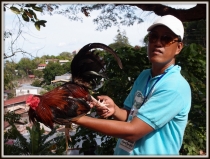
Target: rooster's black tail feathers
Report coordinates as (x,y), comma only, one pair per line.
(87,66)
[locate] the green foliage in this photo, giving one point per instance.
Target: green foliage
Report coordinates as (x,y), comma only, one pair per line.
(26,65)
(51,86)
(38,73)
(37,144)
(195,32)
(87,137)
(28,14)
(9,75)
(51,70)
(107,145)
(65,56)
(120,81)
(121,40)
(67,67)
(192,59)
(11,117)
(36,83)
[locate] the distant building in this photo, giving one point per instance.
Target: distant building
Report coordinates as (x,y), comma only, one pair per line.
(18,105)
(63,61)
(41,66)
(28,89)
(50,60)
(63,78)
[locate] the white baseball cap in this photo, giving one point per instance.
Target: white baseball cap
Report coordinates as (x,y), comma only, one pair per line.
(171,22)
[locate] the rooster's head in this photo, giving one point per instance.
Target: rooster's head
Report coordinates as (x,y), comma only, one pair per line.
(33,101)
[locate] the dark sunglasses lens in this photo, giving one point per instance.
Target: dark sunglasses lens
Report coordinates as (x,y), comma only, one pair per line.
(153,37)
(166,39)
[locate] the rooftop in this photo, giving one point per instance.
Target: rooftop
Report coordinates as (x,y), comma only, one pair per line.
(16,100)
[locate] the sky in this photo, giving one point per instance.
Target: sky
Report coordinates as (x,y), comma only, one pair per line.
(62,35)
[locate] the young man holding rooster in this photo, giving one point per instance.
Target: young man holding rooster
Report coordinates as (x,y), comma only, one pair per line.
(155,113)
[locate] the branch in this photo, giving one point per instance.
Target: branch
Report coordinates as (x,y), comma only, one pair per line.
(185,15)
(15,52)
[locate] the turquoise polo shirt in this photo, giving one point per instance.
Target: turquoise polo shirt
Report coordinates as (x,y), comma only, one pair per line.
(165,109)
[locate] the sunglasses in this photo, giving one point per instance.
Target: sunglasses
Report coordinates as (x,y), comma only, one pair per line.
(166,40)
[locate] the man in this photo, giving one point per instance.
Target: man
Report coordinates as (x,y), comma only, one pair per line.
(155,113)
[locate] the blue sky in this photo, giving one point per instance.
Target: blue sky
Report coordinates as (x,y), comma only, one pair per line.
(61,34)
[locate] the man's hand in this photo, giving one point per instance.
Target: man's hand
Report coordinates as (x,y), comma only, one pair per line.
(109,108)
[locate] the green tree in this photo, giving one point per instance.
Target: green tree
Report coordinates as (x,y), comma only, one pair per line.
(120,40)
(195,32)
(66,56)
(192,59)
(36,83)
(52,70)
(10,76)
(38,73)
(67,67)
(38,60)
(26,65)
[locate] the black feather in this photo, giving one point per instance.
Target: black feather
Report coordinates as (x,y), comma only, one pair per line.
(87,66)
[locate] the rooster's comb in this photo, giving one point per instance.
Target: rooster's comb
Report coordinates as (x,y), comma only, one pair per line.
(33,101)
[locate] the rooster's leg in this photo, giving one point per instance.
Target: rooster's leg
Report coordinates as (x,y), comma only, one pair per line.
(100,104)
(67,130)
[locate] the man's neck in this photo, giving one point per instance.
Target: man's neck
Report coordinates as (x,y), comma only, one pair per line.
(158,69)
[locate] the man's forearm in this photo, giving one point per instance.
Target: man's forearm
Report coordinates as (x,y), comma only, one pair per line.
(120,114)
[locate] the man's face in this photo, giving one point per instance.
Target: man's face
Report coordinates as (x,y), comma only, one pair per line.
(164,49)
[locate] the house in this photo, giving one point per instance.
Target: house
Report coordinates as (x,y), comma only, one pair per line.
(28,89)
(63,61)
(18,105)
(41,66)
(63,78)
(50,60)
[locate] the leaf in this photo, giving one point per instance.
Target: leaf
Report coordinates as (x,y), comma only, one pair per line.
(42,22)
(15,10)
(37,26)
(25,17)
(35,16)
(32,13)
(28,14)
(37,8)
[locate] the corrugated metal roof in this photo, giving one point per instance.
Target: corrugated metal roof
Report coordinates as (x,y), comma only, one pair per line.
(15,100)
(21,111)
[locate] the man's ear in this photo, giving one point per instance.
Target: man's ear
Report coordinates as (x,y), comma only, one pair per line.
(179,48)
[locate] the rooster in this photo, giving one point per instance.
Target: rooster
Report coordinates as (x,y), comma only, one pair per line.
(71,100)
